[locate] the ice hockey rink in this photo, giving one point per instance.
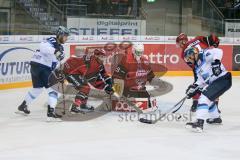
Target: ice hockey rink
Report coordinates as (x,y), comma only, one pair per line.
(108,137)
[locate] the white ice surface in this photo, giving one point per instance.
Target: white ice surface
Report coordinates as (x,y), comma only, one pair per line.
(108,138)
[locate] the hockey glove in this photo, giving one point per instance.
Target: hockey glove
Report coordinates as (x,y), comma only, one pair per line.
(108,89)
(213,40)
(108,85)
(59,55)
(216,67)
(192,90)
(76,80)
(60,76)
(109,81)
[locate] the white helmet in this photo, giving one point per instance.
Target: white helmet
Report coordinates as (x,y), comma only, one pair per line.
(138,49)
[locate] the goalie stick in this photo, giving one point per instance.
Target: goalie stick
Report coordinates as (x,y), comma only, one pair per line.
(131,104)
(118,88)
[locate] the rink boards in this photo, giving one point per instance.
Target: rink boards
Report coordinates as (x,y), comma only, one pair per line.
(16,52)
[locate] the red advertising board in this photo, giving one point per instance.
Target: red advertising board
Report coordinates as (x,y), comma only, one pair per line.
(167,55)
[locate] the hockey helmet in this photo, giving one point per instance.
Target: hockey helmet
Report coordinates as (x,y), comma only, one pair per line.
(62,31)
(181,39)
(138,49)
(99,52)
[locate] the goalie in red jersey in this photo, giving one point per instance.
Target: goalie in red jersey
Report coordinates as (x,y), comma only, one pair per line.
(134,71)
(199,42)
(85,70)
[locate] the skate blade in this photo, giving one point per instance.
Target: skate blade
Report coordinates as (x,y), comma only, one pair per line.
(196,130)
(81,112)
(188,126)
(21,113)
(51,119)
(215,124)
(87,111)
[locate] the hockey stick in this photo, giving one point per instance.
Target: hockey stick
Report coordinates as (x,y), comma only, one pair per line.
(64,102)
(173,109)
(63,93)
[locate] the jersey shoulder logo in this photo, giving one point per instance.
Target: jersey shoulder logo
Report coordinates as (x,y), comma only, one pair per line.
(53,42)
(208,54)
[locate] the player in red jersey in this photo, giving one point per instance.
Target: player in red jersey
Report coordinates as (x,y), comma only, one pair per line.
(201,43)
(135,70)
(85,70)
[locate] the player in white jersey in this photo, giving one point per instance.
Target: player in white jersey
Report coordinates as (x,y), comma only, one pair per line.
(43,62)
(212,81)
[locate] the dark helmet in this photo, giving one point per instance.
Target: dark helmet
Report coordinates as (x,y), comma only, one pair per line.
(62,31)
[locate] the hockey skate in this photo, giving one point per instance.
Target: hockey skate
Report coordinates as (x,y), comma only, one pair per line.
(214,120)
(86,108)
(52,115)
(196,126)
(75,109)
(23,109)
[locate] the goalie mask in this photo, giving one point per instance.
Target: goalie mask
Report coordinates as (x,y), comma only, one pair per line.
(138,50)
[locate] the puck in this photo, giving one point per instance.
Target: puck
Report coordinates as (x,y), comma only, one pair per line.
(145,121)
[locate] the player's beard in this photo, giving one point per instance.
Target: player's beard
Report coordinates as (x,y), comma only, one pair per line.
(60,39)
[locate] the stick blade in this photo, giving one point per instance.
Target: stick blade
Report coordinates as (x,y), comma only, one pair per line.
(143,120)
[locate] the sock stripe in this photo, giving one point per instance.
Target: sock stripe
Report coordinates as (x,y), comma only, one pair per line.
(202,106)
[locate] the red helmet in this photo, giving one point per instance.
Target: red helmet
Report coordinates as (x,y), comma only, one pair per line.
(99,52)
(180,37)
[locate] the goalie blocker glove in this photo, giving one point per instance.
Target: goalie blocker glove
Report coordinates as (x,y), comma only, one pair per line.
(108,87)
(216,67)
(192,90)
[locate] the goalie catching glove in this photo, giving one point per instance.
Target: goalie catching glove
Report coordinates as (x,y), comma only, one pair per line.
(192,90)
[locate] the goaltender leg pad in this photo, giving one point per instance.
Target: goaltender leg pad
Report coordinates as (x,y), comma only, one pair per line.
(218,87)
